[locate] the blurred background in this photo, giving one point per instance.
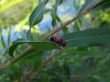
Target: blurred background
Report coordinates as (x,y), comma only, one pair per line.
(14,17)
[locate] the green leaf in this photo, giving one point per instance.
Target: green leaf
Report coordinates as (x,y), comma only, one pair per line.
(53,22)
(91,37)
(59,2)
(54,15)
(103,5)
(38,46)
(37,15)
(87,4)
(55,18)
(9,35)
(3,41)
(65,30)
(58,19)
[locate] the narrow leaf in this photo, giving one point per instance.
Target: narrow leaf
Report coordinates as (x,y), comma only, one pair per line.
(3,41)
(87,4)
(103,5)
(91,37)
(38,46)
(37,15)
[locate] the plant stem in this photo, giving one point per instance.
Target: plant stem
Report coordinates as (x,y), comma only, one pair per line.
(27,50)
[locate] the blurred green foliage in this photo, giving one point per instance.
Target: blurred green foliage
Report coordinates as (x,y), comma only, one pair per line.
(12,12)
(49,62)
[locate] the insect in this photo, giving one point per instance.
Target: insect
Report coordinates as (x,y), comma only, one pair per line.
(58,40)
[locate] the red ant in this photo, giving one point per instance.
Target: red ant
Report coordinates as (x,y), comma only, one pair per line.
(58,40)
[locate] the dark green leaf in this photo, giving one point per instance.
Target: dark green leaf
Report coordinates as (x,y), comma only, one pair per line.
(91,37)
(58,19)
(65,30)
(3,41)
(87,4)
(54,23)
(55,18)
(103,5)
(59,2)
(37,15)
(39,46)
(54,15)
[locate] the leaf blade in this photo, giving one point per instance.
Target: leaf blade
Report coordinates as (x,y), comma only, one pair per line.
(37,14)
(87,4)
(91,37)
(39,46)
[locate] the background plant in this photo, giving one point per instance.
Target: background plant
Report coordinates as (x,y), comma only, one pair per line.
(83,24)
